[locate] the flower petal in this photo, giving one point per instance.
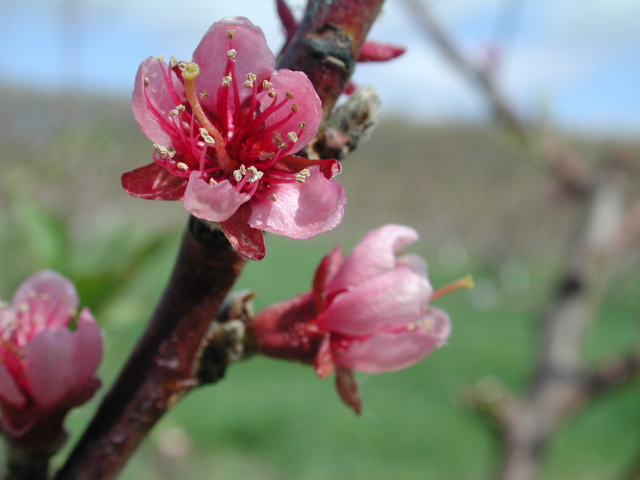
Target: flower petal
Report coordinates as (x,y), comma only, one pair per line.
(301,210)
(157,91)
(308,110)
(9,391)
(374,255)
(215,203)
(391,300)
(389,351)
(51,299)
(49,366)
(154,182)
(252,56)
(88,348)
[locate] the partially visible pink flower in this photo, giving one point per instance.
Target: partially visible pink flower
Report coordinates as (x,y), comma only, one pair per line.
(45,367)
(368,312)
(225,127)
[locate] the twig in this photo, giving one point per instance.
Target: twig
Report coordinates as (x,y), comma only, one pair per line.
(569,168)
(560,384)
(165,364)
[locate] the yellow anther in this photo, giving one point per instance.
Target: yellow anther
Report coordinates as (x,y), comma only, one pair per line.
(183,167)
(226,81)
(293,136)
(232,53)
(230,34)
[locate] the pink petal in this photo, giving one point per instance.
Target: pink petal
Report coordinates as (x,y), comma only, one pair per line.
(88,349)
(152,104)
(50,297)
(374,255)
(388,351)
(49,367)
(253,56)
(215,203)
(246,240)
(154,182)
(309,107)
(9,391)
(393,299)
(301,210)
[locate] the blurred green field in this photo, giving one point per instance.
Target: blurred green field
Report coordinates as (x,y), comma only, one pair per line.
(480,208)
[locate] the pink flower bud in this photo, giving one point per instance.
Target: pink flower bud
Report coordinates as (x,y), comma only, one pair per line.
(368,312)
(45,367)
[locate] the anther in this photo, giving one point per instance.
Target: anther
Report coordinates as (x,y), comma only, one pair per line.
(183,167)
(204,94)
(302,124)
(230,34)
(226,81)
(232,53)
(239,174)
(251,78)
(146,82)
(293,136)
(289,95)
(255,174)
(160,58)
(303,175)
(266,155)
(272,93)
(181,108)
(171,152)
(294,108)
(174,113)
(173,62)
(266,84)
(273,197)
(212,182)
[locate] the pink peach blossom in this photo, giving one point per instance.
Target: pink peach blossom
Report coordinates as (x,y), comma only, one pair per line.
(225,127)
(368,312)
(45,367)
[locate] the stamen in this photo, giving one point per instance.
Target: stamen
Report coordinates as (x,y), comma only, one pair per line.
(206,137)
(160,58)
(251,78)
(212,182)
(239,174)
(255,174)
(303,175)
(226,81)
(232,53)
(173,113)
(230,34)
(173,62)
(294,108)
(293,136)
(266,84)
(183,167)
(289,95)
(466,282)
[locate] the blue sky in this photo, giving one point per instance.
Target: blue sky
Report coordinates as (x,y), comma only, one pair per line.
(575,62)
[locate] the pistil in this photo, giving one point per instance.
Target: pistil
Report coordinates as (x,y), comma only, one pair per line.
(190,71)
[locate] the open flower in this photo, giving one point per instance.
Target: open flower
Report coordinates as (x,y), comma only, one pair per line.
(368,312)
(225,127)
(45,368)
